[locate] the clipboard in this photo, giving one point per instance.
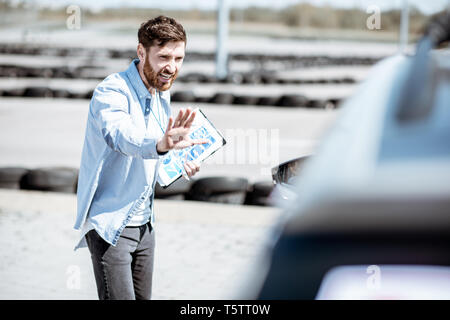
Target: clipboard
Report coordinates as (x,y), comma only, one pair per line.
(171,165)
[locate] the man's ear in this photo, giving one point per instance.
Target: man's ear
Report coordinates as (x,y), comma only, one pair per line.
(141,53)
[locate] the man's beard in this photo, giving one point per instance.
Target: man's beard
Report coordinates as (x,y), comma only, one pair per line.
(152,77)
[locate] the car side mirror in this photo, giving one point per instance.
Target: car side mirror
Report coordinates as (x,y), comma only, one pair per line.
(285,172)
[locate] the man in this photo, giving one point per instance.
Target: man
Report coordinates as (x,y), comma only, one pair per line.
(129,129)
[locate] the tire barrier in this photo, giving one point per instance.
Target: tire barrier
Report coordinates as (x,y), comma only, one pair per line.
(222,98)
(293,100)
(258,59)
(16,92)
(175,191)
(219,189)
(59,179)
(268,101)
(202,99)
(192,77)
(268,79)
(234,78)
(38,92)
(183,96)
(90,73)
(289,100)
(61,93)
(318,104)
(246,100)
(251,78)
(10,177)
(259,193)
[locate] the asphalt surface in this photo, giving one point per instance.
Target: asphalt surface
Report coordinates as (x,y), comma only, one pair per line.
(203,250)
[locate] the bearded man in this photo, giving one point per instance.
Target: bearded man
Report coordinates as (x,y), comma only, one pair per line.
(129,129)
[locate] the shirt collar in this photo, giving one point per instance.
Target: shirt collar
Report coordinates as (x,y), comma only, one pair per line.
(138,84)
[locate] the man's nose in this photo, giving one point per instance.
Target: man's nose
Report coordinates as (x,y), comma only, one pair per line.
(171,66)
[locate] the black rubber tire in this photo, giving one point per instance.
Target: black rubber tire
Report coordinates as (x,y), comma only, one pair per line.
(268,78)
(17,92)
(30,72)
(183,96)
(61,93)
(219,189)
(246,100)
(208,79)
(332,104)
(178,188)
(38,92)
(252,78)
(193,77)
(259,193)
(88,95)
(268,101)
(78,95)
(293,100)
(235,78)
(348,80)
(317,104)
(202,99)
(222,98)
(60,179)
(10,177)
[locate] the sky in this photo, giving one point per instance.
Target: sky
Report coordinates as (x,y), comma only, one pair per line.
(427,6)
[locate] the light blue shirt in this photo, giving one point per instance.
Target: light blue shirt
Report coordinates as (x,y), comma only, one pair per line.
(119,162)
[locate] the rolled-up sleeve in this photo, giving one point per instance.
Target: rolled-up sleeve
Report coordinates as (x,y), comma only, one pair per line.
(109,108)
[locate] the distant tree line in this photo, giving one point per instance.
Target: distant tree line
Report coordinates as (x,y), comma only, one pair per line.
(302,15)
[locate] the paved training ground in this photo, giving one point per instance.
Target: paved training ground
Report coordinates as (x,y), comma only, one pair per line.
(207,251)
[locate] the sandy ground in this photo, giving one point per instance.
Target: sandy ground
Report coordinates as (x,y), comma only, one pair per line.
(50,132)
(207,251)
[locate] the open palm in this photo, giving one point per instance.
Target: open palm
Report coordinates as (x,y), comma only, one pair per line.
(176,135)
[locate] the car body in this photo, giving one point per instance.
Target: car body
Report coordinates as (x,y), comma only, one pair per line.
(375,197)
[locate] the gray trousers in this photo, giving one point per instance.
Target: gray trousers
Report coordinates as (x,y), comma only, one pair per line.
(124,272)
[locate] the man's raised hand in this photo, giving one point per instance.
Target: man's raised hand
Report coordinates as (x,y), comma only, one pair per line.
(177,132)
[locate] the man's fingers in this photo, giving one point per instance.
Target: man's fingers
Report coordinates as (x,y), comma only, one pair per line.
(178,118)
(169,124)
(189,121)
(178,131)
(185,116)
(194,167)
(188,169)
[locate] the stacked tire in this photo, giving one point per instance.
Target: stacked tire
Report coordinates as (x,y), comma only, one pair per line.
(175,191)
(259,193)
(57,179)
(10,177)
(229,190)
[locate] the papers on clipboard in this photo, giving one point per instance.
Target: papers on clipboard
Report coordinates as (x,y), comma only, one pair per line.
(171,167)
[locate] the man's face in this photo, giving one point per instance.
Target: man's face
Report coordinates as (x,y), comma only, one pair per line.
(162,64)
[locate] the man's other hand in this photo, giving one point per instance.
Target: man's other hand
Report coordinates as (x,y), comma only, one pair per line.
(191,168)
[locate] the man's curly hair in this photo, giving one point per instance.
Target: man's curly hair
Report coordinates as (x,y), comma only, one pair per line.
(159,31)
